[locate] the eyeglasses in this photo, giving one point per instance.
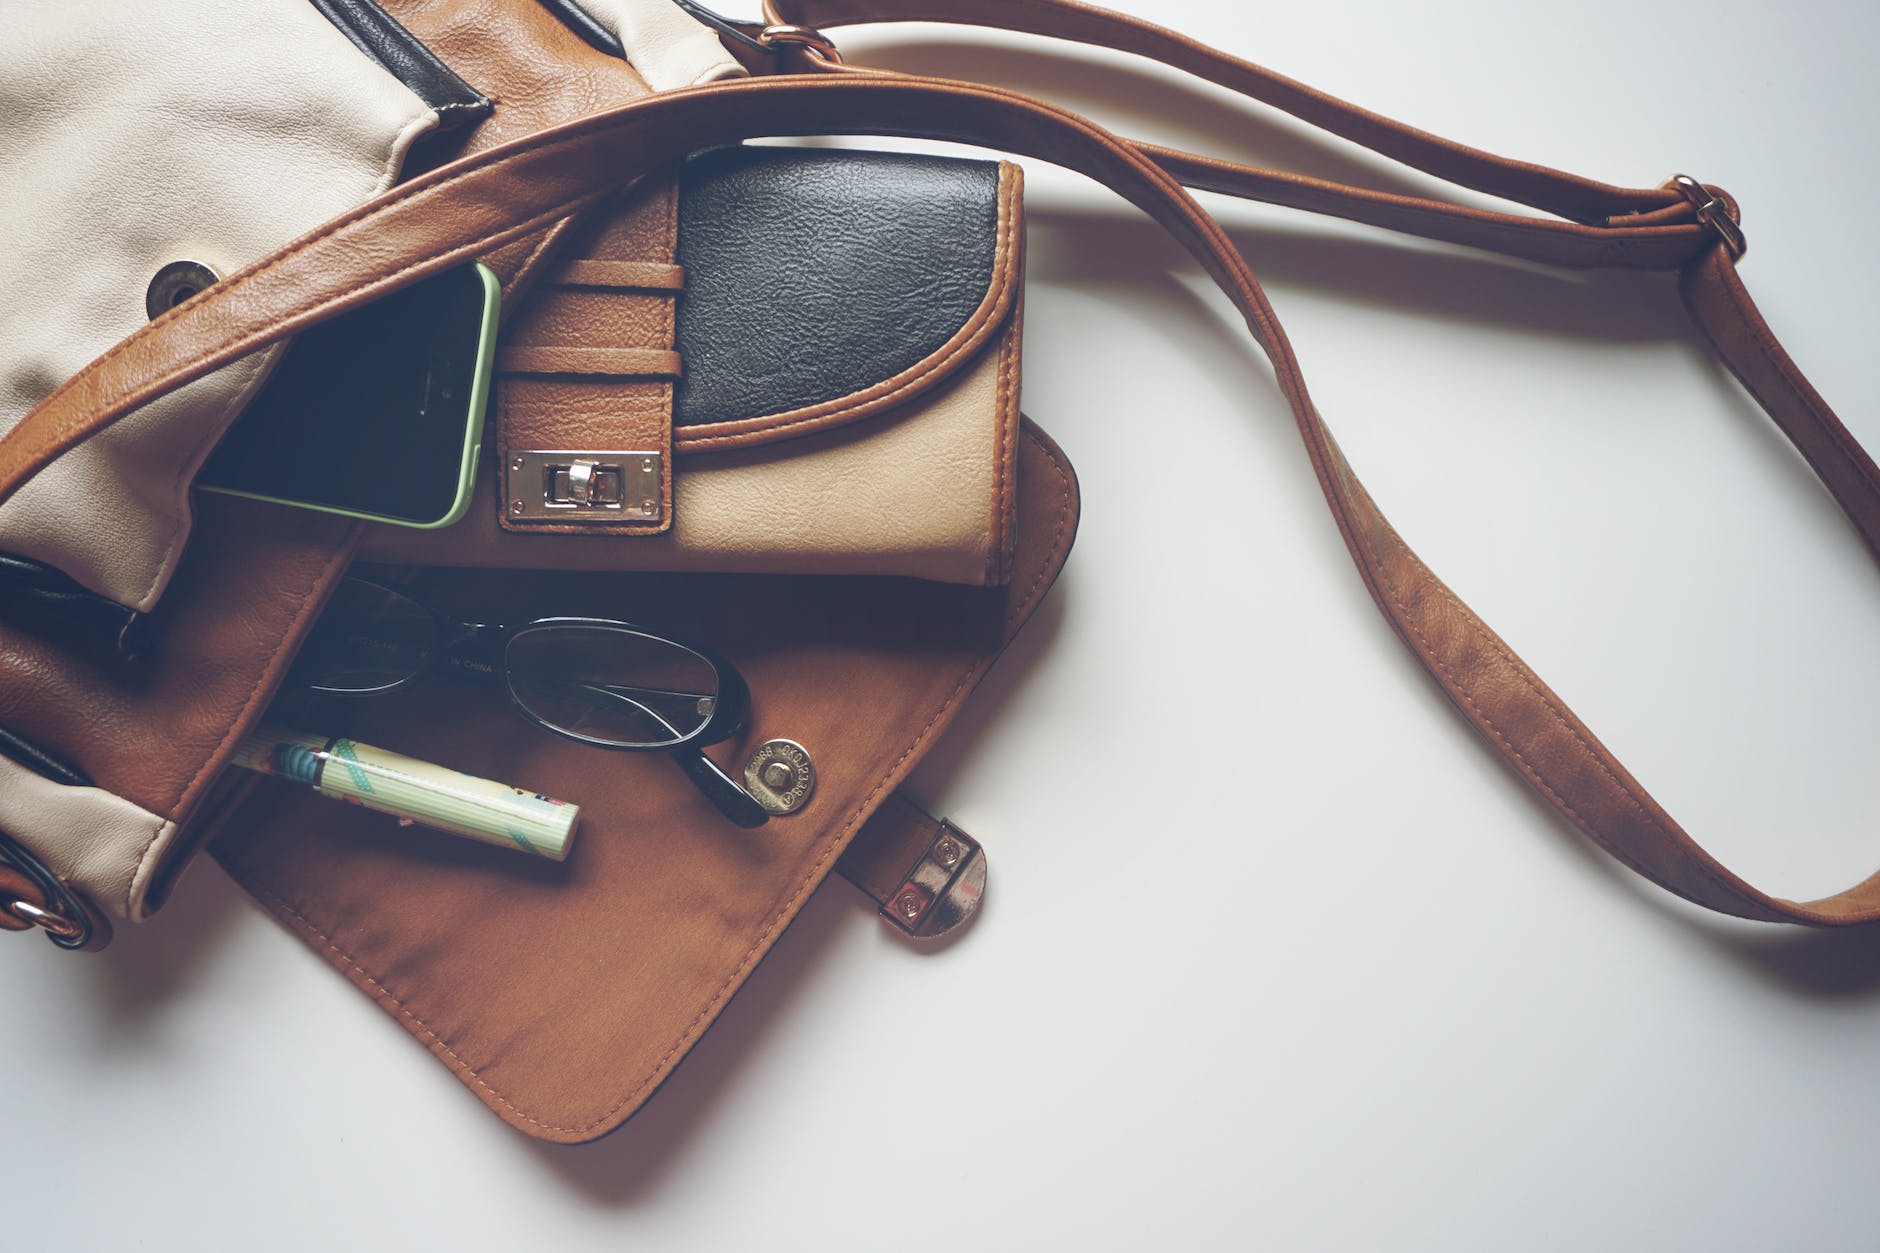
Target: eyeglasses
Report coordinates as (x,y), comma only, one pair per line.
(593,680)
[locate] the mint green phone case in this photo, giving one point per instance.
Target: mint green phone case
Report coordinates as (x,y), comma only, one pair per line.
(473,429)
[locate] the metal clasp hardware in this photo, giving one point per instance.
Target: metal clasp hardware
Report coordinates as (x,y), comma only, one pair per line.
(943,889)
(583,482)
(808,38)
(56,925)
(583,486)
(1712,212)
(65,922)
(778,34)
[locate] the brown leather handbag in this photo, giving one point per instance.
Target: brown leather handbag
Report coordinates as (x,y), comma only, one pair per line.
(671,917)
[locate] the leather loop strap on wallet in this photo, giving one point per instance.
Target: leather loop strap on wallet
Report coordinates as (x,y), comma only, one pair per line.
(465,209)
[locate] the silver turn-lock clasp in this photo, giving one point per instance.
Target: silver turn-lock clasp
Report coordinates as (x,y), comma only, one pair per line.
(584,481)
(583,486)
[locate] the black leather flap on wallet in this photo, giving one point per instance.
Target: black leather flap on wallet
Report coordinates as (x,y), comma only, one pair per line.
(813,276)
(818,285)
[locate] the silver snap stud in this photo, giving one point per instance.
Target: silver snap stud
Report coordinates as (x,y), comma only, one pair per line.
(780,776)
(175,283)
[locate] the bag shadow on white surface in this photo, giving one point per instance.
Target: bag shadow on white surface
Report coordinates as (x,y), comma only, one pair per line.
(153,964)
(1122,251)
(629,1166)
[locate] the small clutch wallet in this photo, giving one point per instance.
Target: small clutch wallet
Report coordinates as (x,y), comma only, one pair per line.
(777,360)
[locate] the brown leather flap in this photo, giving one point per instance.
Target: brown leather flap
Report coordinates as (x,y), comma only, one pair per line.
(586,366)
(563,994)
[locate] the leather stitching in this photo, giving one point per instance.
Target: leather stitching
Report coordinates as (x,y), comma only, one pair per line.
(669,333)
(1005,415)
(814,876)
(1192,231)
(1568,243)
(151,387)
(1521,181)
(264,690)
(1524,763)
(542,245)
(1757,336)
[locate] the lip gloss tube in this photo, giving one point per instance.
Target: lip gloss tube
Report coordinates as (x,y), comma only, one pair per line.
(413,791)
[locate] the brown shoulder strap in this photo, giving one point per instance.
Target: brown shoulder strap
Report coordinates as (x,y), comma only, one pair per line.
(466,208)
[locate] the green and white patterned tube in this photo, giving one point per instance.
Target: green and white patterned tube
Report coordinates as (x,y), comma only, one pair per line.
(414,791)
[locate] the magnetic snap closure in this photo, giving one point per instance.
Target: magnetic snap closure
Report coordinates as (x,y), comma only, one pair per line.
(175,283)
(780,776)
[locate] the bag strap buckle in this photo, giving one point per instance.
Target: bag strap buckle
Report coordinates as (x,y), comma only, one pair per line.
(1712,212)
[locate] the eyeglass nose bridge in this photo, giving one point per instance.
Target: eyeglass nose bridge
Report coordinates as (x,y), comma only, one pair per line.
(474,651)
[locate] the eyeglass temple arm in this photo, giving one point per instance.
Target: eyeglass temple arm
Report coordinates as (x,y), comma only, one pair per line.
(718,787)
(627,691)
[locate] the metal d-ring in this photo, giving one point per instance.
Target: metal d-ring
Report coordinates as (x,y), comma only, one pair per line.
(64,920)
(808,38)
(56,925)
(778,34)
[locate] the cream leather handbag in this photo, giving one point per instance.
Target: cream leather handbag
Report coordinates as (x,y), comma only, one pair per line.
(139,160)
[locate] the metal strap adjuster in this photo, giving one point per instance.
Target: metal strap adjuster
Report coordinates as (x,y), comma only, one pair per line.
(1712,212)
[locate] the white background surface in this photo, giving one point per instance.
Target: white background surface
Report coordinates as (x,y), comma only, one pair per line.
(1275,954)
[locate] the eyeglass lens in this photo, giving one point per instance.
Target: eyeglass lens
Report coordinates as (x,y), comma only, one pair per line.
(610,684)
(368,639)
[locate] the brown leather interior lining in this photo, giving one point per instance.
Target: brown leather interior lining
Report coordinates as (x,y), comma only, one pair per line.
(563,994)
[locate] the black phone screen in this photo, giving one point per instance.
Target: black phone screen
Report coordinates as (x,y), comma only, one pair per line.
(369,413)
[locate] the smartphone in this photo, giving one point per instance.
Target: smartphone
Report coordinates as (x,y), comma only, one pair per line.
(377,413)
